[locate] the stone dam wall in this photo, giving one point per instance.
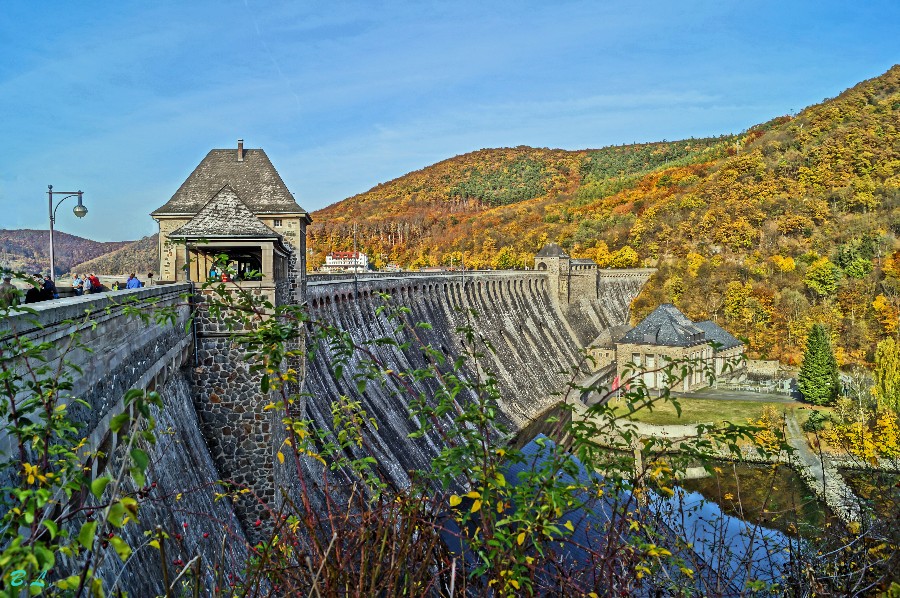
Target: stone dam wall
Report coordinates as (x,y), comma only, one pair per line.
(212,426)
(536,344)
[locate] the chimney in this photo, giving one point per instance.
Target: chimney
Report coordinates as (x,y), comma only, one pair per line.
(240,150)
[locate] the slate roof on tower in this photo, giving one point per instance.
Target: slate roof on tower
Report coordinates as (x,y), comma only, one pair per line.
(225,215)
(665,326)
(552,250)
(253,178)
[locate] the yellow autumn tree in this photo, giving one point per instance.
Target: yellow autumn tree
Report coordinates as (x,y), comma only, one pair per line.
(624,258)
(770,433)
(887,313)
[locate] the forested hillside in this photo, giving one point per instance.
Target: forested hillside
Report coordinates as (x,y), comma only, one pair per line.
(29,250)
(791,222)
(140,257)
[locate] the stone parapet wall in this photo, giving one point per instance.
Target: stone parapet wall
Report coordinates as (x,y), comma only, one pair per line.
(123,347)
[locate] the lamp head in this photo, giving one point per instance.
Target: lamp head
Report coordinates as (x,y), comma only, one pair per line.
(79,210)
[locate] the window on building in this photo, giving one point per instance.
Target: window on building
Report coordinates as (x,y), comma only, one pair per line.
(278,222)
(650,375)
(636,359)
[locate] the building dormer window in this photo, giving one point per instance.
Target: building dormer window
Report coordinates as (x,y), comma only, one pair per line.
(278,222)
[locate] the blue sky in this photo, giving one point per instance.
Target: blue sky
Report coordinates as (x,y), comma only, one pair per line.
(122,99)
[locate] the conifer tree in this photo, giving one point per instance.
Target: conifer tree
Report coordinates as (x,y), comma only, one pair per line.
(818,378)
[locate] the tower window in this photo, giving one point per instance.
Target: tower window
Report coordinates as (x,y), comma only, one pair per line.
(278,222)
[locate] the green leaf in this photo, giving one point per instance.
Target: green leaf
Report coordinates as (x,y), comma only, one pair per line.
(121,547)
(52,527)
(118,421)
(86,535)
(117,514)
(97,587)
(99,485)
(46,559)
(69,583)
(140,459)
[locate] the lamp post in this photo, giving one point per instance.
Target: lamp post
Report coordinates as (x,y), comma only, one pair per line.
(78,210)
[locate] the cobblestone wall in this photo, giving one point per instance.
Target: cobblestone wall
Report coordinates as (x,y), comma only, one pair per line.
(232,418)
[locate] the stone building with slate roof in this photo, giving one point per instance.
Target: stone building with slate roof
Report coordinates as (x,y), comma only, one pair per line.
(668,335)
(235,202)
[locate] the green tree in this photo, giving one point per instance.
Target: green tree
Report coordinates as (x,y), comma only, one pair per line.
(887,373)
(504,260)
(822,277)
(818,377)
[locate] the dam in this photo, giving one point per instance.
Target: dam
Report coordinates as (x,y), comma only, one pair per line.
(207,436)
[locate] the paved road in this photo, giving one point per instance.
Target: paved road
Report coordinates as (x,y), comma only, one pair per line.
(797,439)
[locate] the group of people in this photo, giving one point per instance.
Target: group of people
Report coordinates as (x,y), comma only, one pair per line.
(86,285)
(42,288)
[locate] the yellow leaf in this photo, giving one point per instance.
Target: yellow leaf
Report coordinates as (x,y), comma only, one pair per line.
(729,496)
(473,494)
(501,481)
(514,583)
(568,525)
(476,506)
(280,457)
(520,539)
(455,500)
(178,496)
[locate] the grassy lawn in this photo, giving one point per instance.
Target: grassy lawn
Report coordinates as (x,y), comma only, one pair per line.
(694,411)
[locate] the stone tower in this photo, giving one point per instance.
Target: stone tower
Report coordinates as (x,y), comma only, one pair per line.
(235,204)
(266,205)
(553,259)
(573,279)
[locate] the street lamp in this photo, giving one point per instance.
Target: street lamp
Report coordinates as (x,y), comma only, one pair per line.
(78,210)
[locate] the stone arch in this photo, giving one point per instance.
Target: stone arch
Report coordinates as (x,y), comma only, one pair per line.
(541,266)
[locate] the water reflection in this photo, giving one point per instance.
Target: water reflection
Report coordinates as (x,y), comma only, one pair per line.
(770,495)
(726,551)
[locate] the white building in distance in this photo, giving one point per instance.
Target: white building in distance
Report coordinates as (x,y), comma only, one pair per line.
(346,261)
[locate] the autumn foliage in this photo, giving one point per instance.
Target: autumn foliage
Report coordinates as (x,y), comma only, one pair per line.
(790,223)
